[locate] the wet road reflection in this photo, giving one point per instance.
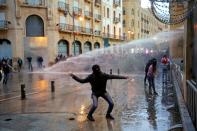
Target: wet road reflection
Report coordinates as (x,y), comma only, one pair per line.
(135,109)
(151,109)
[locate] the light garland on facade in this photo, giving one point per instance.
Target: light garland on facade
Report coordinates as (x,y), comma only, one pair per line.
(172,11)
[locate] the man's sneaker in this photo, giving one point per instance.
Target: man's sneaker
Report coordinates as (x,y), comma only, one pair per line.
(90,118)
(108,116)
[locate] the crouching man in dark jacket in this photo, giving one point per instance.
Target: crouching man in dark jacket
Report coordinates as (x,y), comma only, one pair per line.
(98,81)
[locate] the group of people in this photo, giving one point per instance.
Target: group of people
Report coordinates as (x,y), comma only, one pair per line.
(60,57)
(98,81)
(40,61)
(150,71)
(7,66)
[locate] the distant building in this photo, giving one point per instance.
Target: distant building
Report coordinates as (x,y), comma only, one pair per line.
(139,22)
(112,22)
(45,28)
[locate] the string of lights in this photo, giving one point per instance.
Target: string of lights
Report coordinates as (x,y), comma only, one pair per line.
(172,11)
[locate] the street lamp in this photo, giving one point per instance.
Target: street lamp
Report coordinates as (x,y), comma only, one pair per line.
(67,12)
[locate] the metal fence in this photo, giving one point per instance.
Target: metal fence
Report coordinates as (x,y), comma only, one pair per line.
(192,101)
(191,90)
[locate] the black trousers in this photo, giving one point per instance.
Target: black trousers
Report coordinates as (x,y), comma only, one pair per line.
(151,81)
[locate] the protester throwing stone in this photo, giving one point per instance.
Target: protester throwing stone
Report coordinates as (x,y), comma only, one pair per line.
(98,81)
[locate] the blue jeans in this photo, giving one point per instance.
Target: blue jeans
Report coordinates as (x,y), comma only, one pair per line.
(105,96)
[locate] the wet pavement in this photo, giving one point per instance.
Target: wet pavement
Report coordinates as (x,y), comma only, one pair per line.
(66,108)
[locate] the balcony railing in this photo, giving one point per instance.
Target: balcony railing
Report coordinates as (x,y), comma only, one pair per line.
(116,20)
(98,2)
(87,30)
(3,25)
(112,36)
(116,3)
(77,11)
(97,32)
(63,6)
(97,17)
(34,2)
(69,28)
(65,27)
(88,14)
(2,3)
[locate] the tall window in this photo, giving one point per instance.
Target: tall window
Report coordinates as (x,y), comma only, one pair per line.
(107,12)
(114,30)
(2,16)
(132,12)
(107,29)
(62,19)
(124,12)
(132,22)
(87,47)
(76,3)
(34,26)
(2,20)
(104,11)
(124,23)
(63,48)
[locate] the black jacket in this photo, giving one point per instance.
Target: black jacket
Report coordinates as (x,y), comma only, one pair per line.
(98,82)
(6,69)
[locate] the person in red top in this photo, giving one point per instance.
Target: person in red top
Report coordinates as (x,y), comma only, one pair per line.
(165,65)
(165,60)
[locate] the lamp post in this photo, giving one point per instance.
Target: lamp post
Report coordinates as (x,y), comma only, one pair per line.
(73,21)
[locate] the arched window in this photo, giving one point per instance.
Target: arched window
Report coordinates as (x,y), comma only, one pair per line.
(34,26)
(76,46)
(87,47)
(96,45)
(63,48)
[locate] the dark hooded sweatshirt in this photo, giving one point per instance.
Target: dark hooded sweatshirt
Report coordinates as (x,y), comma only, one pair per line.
(98,82)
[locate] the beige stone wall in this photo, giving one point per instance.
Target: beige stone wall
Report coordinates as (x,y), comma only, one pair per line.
(17,13)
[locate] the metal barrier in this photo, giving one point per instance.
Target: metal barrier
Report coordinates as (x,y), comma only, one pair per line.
(192,101)
(178,75)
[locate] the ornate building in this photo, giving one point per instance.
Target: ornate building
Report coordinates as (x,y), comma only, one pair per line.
(139,22)
(51,27)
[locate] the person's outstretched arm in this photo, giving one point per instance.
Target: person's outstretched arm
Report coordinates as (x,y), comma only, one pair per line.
(116,77)
(79,79)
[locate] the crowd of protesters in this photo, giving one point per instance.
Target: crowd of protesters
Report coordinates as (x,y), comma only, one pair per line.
(61,57)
